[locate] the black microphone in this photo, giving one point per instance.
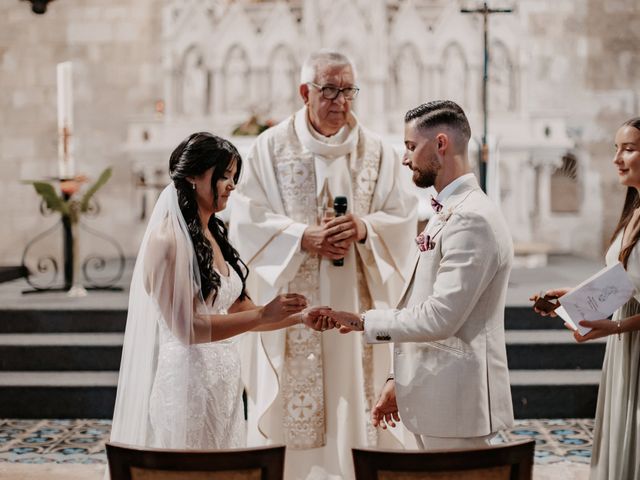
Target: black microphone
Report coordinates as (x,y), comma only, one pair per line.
(340,207)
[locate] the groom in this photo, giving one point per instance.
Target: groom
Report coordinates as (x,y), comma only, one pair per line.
(451,383)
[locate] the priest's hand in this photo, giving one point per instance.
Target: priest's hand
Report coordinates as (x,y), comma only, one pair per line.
(315,240)
(317,318)
(345,230)
(385,413)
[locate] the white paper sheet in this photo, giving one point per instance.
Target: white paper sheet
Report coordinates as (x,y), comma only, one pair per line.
(597,297)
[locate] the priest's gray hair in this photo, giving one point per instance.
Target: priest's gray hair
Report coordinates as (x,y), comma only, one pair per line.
(321,59)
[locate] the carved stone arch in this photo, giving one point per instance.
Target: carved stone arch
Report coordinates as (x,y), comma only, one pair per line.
(565,191)
(194,85)
(454,79)
(214,10)
(502,92)
(283,81)
(235,79)
(407,78)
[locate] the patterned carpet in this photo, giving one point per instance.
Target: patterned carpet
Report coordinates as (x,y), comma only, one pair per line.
(556,440)
(82,441)
(53,441)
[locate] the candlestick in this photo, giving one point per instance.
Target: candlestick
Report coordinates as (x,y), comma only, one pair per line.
(65,120)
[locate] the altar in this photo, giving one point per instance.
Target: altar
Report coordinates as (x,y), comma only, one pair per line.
(239,60)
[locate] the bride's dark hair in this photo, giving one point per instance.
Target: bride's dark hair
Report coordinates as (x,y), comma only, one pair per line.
(195,155)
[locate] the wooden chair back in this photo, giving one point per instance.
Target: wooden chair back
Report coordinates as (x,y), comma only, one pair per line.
(513,461)
(132,463)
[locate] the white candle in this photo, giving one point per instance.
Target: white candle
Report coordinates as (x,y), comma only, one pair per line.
(65,120)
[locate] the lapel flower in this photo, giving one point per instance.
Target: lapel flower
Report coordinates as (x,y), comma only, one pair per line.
(445,214)
(425,242)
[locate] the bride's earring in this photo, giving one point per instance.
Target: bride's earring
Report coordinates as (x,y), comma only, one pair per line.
(193,185)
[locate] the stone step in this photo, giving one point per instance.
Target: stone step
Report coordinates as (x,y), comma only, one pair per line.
(58,379)
(60,351)
(526,349)
(57,394)
(62,339)
(554,401)
(524,318)
(551,349)
(78,320)
(554,393)
(62,320)
(542,394)
(63,364)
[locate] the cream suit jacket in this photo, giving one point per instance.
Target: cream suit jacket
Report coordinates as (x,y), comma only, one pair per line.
(450,360)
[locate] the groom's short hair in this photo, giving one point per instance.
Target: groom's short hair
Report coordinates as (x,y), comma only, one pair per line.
(441,112)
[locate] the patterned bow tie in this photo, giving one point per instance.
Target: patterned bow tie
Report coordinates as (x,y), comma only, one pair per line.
(436,205)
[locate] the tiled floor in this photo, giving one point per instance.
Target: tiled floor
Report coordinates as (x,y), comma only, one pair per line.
(556,440)
(53,441)
(82,441)
(74,449)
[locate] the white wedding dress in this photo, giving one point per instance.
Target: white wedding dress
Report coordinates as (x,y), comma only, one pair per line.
(213,397)
(176,388)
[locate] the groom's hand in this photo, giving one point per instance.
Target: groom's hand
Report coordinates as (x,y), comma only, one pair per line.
(347,321)
(385,413)
(318,318)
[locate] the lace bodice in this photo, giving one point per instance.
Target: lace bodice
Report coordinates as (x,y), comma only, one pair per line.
(203,378)
(230,290)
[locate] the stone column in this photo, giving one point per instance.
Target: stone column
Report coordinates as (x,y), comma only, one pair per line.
(217,85)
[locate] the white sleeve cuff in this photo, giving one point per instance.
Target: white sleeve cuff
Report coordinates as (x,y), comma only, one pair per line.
(374,326)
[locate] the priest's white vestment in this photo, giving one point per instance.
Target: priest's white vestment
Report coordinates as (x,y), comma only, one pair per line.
(314,391)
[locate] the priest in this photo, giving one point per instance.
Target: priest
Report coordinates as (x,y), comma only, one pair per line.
(299,391)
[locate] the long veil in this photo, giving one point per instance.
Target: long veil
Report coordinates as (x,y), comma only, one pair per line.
(164,296)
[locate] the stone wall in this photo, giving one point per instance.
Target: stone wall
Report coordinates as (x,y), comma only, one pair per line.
(115,49)
(579,59)
(586,63)
(612,72)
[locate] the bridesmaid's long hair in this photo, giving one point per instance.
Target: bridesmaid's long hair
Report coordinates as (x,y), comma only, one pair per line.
(195,155)
(631,202)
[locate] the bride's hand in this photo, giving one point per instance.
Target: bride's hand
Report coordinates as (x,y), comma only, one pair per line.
(317,318)
(282,306)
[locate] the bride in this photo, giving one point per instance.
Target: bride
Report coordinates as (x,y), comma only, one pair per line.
(179,383)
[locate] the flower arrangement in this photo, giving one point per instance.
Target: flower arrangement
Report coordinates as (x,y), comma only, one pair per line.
(67,202)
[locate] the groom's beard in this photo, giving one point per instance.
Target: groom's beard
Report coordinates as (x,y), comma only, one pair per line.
(427,178)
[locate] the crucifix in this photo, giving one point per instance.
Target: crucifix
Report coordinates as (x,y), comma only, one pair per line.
(485,11)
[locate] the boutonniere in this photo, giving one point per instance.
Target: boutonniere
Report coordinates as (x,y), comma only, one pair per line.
(427,242)
(445,214)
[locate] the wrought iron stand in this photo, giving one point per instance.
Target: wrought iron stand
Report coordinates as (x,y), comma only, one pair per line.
(48,264)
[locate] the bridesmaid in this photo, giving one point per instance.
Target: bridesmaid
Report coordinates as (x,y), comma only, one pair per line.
(616,441)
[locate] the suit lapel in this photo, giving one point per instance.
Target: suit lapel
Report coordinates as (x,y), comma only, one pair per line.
(408,283)
(434,225)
